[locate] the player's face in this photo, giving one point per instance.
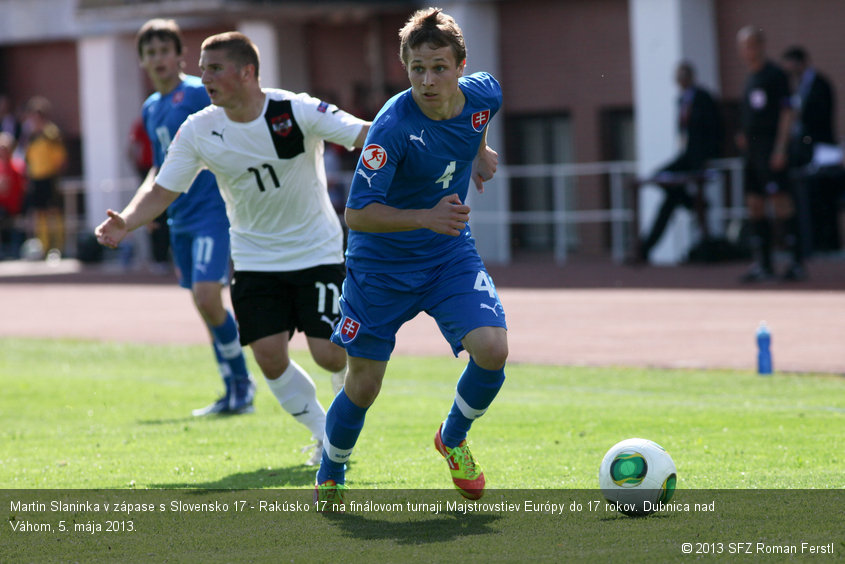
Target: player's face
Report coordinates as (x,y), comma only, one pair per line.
(161,63)
(434,75)
(221,77)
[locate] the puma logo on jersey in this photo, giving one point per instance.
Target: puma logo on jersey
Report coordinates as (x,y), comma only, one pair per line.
(419,138)
(369,179)
(303,412)
(328,320)
(219,134)
(491,308)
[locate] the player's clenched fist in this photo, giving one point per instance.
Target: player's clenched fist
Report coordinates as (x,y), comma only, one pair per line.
(449,216)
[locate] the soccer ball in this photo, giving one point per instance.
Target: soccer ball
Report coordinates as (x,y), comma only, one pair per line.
(636,476)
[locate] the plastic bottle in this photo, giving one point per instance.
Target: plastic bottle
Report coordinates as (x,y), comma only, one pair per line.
(764,349)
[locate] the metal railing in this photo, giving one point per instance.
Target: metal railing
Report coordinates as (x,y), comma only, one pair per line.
(564,215)
(620,214)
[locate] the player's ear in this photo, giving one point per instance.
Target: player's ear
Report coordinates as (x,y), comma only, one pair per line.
(461,67)
(247,71)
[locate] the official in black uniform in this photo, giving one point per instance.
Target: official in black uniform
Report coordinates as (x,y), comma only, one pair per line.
(766,121)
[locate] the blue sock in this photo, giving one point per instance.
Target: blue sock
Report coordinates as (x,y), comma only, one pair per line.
(344,422)
(477,388)
(228,347)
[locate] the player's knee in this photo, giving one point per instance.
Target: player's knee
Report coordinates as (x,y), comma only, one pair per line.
(493,356)
(271,363)
(362,390)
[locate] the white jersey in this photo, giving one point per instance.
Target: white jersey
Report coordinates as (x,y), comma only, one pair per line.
(272,178)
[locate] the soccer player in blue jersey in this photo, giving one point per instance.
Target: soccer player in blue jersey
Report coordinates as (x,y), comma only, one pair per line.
(410,248)
(199,228)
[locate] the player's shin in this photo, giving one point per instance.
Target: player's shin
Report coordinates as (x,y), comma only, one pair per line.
(476,390)
(297,394)
(344,422)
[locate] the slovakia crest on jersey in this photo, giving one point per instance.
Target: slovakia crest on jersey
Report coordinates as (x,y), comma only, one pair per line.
(480,119)
(348,329)
(282,125)
(178,97)
(373,156)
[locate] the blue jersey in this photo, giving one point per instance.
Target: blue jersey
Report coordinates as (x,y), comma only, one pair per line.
(202,206)
(411,161)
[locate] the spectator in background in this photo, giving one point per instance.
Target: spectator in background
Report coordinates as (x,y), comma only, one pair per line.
(700,128)
(46,157)
(8,121)
(141,155)
(767,115)
(813,148)
(11,197)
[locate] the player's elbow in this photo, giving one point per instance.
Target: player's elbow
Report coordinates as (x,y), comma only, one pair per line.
(354,219)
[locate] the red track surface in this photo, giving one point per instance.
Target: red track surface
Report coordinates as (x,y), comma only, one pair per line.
(580,314)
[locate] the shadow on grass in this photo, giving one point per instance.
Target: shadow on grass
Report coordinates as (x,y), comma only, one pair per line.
(262,478)
(446,527)
(294,476)
(171,421)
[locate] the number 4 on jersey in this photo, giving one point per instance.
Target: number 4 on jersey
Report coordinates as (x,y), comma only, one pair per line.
(484,284)
(446,177)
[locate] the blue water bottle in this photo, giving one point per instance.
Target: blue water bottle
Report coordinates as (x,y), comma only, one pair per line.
(764,349)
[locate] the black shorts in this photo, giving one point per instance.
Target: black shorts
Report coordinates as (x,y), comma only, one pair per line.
(43,194)
(267,303)
(758,175)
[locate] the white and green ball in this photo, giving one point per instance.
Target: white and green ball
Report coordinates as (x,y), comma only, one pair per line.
(636,471)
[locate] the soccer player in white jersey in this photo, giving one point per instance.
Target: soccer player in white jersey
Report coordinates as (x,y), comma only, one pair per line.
(410,248)
(265,147)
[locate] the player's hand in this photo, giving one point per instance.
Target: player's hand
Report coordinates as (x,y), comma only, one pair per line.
(112,231)
(449,216)
(484,167)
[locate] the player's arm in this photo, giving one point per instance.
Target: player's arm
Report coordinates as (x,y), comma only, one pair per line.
(778,160)
(484,165)
(448,217)
(149,202)
(362,136)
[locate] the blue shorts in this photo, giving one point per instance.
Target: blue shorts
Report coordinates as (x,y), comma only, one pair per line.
(201,256)
(459,295)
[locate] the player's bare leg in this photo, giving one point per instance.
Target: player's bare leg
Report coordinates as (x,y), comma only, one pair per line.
(330,357)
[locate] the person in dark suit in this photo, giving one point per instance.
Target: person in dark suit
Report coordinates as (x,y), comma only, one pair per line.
(821,180)
(700,128)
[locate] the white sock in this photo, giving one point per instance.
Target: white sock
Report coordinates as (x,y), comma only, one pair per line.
(297,395)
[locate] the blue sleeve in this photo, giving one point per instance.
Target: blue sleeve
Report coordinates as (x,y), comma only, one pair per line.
(487,88)
(383,151)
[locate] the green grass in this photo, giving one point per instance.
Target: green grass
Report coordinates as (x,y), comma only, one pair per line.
(90,415)
(87,415)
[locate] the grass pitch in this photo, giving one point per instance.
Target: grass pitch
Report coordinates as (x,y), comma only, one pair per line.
(91,416)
